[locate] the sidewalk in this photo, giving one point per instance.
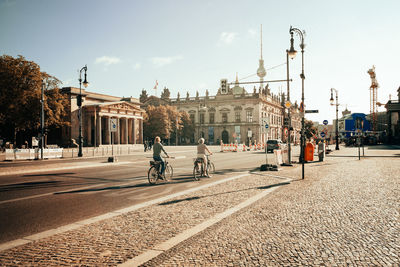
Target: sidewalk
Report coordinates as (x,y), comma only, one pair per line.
(344,213)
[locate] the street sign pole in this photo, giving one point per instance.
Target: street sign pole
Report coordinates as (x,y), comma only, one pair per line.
(266,148)
(113,128)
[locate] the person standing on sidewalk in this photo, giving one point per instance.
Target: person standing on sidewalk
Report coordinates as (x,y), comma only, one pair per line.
(157,148)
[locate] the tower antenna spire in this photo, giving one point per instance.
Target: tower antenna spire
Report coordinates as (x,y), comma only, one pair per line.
(261,41)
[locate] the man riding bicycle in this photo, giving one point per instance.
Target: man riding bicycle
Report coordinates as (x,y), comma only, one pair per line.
(157,148)
(201,153)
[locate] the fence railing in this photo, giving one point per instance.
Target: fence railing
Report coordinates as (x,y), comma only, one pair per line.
(104,151)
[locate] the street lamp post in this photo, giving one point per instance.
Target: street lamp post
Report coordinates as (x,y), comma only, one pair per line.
(42,119)
(79,102)
(337,106)
(288,97)
(292,53)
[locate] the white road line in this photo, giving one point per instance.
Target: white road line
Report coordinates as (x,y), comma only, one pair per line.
(62,229)
(161,248)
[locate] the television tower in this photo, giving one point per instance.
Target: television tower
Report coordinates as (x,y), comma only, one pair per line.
(261,70)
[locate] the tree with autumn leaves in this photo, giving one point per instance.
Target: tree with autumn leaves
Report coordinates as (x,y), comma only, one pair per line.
(20,94)
(166,122)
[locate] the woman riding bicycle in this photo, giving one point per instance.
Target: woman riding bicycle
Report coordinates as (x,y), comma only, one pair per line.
(201,153)
(157,148)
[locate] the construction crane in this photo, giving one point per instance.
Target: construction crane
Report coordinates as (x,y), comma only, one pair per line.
(373,93)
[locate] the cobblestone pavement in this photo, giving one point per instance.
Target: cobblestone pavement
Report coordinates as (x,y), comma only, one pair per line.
(346,212)
(115,240)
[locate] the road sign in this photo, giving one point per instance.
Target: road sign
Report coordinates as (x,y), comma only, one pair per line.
(285,131)
(113,125)
(312,111)
(325,122)
(288,104)
(266,126)
(249,134)
(322,134)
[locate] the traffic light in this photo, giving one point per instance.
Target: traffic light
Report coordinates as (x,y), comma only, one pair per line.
(286,121)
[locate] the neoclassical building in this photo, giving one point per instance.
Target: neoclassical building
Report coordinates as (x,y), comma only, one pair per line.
(97,112)
(233,114)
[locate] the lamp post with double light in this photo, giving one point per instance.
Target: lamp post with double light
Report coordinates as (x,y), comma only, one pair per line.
(292,53)
(42,119)
(337,109)
(79,102)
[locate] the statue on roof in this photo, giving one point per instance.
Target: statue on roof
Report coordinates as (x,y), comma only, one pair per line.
(178,98)
(143,96)
(165,94)
(187,96)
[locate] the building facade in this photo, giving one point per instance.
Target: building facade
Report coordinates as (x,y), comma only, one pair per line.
(393,119)
(234,115)
(99,112)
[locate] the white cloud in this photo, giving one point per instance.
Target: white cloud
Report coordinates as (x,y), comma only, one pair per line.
(107,60)
(162,61)
(227,38)
(137,66)
(252,32)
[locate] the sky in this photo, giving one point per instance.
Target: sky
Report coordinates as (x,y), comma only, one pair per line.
(189,46)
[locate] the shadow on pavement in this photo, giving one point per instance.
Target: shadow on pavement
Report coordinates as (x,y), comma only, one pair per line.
(28,185)
(235,191)
(119,187)
(356,156)
(383,147)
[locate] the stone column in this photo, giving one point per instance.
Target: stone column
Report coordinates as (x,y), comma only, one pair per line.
(118,133)
(108,131)
(89,130)
(98,131)
(134,130)
(141,131)
(126,131)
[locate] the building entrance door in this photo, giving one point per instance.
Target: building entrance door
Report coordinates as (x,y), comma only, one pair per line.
(225,137)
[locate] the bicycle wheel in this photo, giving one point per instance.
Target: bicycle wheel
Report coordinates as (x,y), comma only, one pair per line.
(210,168)
(169,172)
(196,172)
(152,175)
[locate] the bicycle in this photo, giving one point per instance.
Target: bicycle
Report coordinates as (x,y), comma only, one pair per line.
(198,169)
(154,174)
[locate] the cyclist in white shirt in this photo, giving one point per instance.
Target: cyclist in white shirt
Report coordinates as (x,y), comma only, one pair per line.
(201,153)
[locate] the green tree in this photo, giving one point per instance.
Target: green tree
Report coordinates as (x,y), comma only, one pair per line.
(20,95)
(187,128)
(156,123)
(165,121)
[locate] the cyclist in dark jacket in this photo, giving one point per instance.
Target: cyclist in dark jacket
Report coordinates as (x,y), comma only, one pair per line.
(157,148)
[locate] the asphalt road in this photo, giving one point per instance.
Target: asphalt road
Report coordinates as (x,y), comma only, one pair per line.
(35,202)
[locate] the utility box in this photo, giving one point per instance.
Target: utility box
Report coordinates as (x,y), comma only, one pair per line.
(321,151)
(309,152)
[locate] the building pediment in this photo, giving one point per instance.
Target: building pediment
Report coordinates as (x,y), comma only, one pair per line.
(121,107)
